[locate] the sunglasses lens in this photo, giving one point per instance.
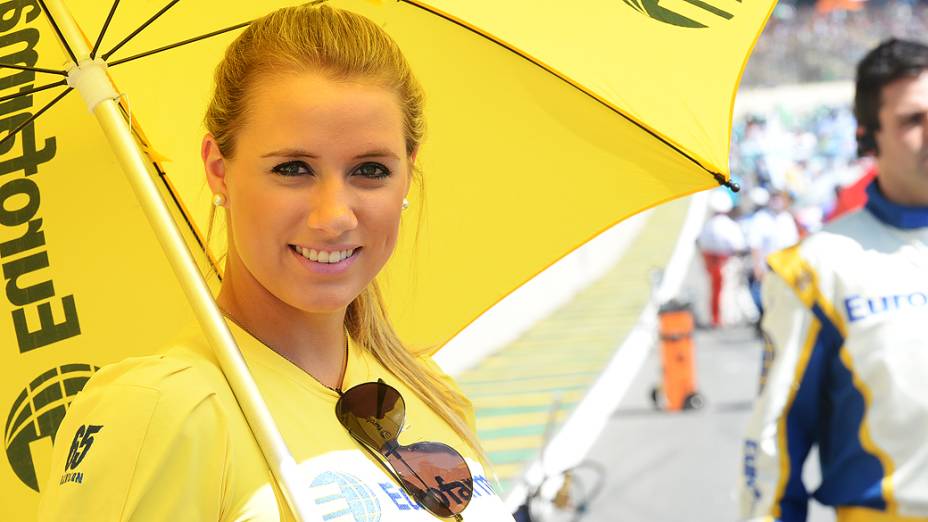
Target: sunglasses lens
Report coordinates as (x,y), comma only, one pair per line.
(436,475)
(372,412)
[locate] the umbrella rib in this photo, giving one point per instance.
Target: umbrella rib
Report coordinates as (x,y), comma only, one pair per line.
(170,190)
(32,118)
(141,28)
(33,69)
(719,177)
(33,90)
(106,25)
(178,44)
(57,29)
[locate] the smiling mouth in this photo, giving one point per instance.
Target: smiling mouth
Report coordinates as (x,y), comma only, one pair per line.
(325,256)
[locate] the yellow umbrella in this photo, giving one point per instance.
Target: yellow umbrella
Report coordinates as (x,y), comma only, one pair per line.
(549,121)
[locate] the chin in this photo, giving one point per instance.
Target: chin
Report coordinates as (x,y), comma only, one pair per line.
(322,304)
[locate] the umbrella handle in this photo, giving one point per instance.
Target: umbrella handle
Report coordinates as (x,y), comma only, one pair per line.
(134,163)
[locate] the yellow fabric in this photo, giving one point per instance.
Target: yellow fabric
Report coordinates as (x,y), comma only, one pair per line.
(172,444)
(650,66)
(859,514)
(526,157)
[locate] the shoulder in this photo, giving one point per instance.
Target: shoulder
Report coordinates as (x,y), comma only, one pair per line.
(826,249)
(181,375)
(165,394)
(159,393)
(127,441)
(847,233)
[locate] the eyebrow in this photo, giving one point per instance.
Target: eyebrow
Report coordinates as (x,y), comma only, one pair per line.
(300,153)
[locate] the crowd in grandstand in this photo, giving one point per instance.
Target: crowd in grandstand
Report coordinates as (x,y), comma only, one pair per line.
(801,44)
(797,170)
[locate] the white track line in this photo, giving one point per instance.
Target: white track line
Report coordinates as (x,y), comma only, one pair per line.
(582,428)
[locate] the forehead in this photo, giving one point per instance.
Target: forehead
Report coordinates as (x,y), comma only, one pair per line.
(310,106)
(905,95)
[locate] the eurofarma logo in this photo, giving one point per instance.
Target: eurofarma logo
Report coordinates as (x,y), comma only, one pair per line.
(344,498)
(37,412)
(693,14)
(40,315)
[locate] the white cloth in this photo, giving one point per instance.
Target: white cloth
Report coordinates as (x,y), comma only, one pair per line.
(769,232)
(721,236)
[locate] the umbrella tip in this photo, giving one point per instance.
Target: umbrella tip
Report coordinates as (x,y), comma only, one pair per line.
(734,187)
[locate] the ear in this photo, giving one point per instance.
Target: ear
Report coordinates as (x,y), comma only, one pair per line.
(214,165)
(412,163)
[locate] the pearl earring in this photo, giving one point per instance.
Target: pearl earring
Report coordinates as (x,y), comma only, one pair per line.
(219,200)
(405,204)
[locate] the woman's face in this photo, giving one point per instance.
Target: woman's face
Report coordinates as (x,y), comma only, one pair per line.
(314,189)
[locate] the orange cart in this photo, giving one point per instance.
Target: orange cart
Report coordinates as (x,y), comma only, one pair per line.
(677,390)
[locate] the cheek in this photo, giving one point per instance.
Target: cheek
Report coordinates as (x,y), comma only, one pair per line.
(915,138)
(259,215)
(383,223)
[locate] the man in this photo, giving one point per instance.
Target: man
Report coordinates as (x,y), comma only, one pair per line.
(770,229)
(847,320)
(719,239)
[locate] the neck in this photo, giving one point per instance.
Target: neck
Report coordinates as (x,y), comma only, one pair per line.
(892,213)
(907,190)
(315,342)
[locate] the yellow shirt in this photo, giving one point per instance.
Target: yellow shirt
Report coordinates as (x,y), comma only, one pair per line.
(162,438)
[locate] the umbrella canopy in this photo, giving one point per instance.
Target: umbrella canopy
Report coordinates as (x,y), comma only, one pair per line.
(548,122)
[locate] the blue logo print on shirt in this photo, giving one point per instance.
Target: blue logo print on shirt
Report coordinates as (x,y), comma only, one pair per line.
(860,307)
(345,498)
(403,502)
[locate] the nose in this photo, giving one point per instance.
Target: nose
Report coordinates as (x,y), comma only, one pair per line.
(330,208)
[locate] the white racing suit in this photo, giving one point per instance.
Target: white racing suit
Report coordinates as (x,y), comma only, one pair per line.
(846,370)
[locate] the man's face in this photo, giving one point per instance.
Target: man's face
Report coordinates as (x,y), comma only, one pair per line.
(903,140)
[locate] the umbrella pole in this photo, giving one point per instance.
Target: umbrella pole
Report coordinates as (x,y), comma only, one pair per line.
(134,163)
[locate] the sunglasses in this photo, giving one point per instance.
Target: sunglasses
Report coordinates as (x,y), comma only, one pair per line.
(434,474)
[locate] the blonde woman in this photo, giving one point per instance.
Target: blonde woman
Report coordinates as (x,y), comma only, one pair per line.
(313,133)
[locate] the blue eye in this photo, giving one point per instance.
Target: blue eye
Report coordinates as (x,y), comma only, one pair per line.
(372,171)
(292,168)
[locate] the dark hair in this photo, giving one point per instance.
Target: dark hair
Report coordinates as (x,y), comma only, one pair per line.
(891,60)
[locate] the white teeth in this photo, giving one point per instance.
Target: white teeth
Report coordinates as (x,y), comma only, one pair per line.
(323,256)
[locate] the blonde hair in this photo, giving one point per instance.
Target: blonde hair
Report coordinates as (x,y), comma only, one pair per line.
(343,45)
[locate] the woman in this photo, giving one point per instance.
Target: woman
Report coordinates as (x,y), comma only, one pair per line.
(313,133)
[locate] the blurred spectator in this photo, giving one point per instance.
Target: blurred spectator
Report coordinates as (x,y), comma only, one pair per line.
(854,196)
(771,228)
(720,239)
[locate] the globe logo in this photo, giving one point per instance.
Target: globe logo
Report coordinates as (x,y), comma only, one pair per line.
(37,412)
(344,498)
(694,14)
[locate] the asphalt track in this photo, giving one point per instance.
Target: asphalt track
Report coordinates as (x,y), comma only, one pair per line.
(672,467)
(659,466)
(685,466)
